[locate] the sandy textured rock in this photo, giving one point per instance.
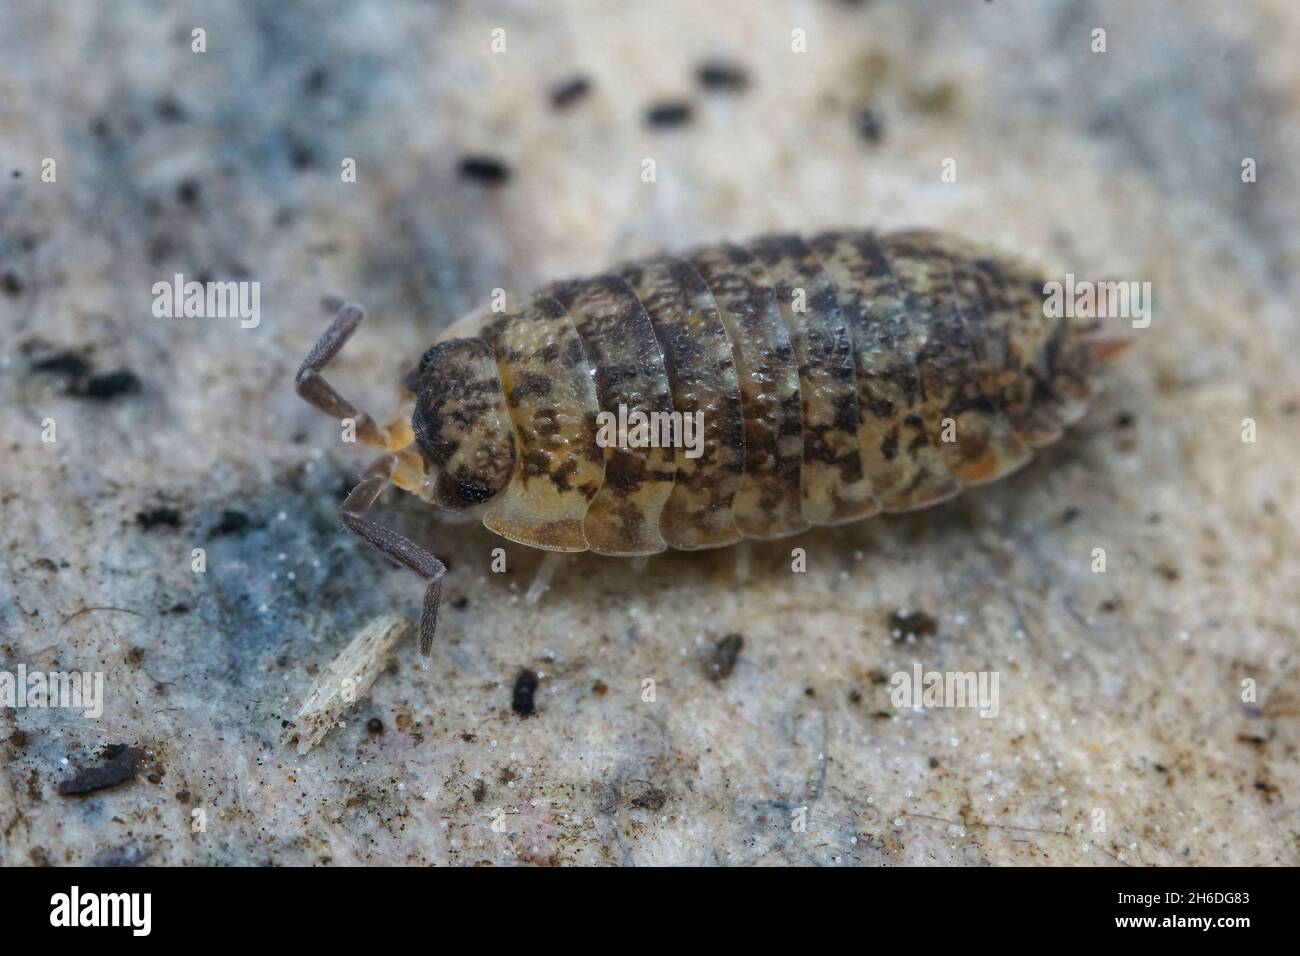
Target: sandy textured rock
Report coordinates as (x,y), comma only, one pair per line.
(1121,734)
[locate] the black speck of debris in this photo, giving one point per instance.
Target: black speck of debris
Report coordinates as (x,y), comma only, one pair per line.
(188,192)
(110,385)
(46,564)
(1069,514)
(484,169)
(855,696)
(934,762)
(869,125)
(910,624)
(231,522)
(169,110)
(460,603)
(565,94)
(17,174)
(183,796)
(119,766)
(375,725)
(1125,420)
(809,692)
(18,738)
(521,700)
(721,76)
(158,517)
(135,656)
(63,363)
(671,113)
(316,81)
(301,156)
(480,790)
(722,661)
(11,284)
(180,608)
(650,799)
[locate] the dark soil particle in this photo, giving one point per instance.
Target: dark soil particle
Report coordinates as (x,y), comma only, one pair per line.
(719,664)
(119,766)
(565,94)
(11,284)
(910,624)
(110,385)
(869,125)
(673,113)
(231,522)
(68,364)
(721,76)
(521,700)
(484,169)
(375,725)
(188,192)
(158,518)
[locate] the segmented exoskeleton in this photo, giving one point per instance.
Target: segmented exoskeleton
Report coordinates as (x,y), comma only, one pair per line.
(835,378)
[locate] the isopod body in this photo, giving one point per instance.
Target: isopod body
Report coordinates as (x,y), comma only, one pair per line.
(832,378)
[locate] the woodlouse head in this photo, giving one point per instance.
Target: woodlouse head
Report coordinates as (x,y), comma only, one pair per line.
(462,425)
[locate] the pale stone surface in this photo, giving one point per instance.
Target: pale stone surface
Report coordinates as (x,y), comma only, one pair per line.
(1120,697)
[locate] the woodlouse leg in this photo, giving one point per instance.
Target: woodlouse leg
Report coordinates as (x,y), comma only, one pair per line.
(551,562)
(354,513)
(743,555)
(311,385)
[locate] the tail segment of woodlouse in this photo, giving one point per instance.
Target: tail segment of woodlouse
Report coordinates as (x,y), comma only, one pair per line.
(834,378)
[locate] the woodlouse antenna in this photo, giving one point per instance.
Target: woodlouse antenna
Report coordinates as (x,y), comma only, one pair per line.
(311,384)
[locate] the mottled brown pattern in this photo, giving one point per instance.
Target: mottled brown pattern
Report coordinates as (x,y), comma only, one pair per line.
(1014,304)
(768,503)
(907,471)
(546,375)
(461,424)
(956,403)
(988,344)
(835,488)
(825,371)
(629,369)
(698,359)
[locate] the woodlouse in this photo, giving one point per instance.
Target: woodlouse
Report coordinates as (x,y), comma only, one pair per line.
(836,377)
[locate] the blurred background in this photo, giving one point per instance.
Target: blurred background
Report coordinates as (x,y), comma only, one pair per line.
(503,144)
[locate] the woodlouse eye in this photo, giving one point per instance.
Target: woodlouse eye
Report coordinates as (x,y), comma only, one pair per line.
(472,492)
